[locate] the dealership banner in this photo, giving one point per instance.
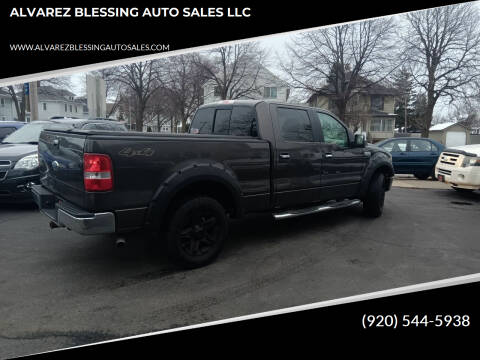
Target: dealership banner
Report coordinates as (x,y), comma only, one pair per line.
(58,34)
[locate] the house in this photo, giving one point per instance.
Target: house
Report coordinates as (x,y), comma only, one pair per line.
(450,134)
(60,102)
(266,86)
(369,111)
(7,107)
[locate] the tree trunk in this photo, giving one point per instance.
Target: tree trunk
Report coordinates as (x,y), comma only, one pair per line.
(184,124)
(342,109)
(427,121)
(139,116)
(22,107)
(20,114)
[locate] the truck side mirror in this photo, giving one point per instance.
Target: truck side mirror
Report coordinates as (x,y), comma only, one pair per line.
(359,141)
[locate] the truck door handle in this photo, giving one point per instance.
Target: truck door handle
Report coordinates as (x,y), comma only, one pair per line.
(328,155)
(284,156)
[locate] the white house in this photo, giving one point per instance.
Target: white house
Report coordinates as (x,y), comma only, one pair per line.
(7,107)
(267,86)
(59,102)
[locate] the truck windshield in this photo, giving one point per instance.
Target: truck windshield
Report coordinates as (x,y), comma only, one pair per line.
(28,134)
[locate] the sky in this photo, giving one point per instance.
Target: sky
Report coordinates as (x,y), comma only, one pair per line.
(276,46)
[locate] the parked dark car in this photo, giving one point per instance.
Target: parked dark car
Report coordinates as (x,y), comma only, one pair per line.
(8,127)
(416,156)
(240,157)
(19,158)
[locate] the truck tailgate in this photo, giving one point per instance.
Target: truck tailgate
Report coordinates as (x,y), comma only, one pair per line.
(61,164)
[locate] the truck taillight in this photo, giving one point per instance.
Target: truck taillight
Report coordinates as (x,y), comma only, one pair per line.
(97,172)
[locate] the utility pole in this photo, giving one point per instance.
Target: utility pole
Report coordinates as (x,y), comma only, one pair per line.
(33,97)
(406,113)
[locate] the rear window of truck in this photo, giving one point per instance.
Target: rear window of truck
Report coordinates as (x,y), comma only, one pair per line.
(238,121)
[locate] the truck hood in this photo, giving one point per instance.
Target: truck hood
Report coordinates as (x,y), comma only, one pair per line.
(14,152)
(466,149)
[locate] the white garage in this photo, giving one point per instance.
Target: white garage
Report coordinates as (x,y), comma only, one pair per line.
(450,134)
(456,138)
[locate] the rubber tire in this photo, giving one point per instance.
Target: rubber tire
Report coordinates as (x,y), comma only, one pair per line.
(422,176)
(373,202)
(174,252)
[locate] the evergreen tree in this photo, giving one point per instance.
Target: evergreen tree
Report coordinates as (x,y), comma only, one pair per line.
(403,83)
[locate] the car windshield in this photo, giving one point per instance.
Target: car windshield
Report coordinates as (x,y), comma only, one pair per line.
(27,134)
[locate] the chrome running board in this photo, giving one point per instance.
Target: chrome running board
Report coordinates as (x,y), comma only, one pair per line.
(315,209)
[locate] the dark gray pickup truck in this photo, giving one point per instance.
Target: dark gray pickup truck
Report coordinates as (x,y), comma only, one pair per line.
(240,157)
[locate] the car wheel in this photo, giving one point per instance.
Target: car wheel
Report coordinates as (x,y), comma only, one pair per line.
(373,202)
(422,176)
(196,232)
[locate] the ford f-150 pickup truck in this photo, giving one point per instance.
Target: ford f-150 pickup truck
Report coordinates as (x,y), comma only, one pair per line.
(239,157)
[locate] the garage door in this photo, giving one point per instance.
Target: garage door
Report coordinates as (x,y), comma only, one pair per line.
(456,138)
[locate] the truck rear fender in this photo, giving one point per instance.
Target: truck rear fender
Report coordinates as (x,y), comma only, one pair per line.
(187,180)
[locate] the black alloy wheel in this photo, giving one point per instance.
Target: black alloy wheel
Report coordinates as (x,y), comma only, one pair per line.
(197,231)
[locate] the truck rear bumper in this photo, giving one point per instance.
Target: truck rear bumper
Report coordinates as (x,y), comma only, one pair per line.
(64,214)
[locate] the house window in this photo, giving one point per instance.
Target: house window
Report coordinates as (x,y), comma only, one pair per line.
(2,102)
(376,102)
(65,107)
(387,124)
(71,108)
(378,124)
(331,105)
(76,109)
(44,106)
(216,91)
(270,92)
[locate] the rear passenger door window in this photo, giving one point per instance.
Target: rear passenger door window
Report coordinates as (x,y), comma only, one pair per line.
(294,125)
(243,121)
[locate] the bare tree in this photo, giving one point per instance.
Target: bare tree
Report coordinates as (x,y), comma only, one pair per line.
(64,82)
(234,69)
(442,50)
(159,108)
(141,80)
(113,88)
(341,58)
(182,83)
(19,105)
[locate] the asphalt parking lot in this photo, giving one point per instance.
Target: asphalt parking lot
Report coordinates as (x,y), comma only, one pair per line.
(60,289)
